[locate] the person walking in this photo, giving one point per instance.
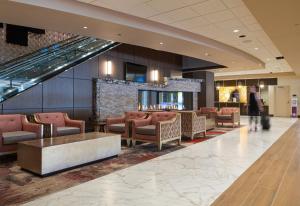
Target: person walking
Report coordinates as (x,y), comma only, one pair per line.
(254,107)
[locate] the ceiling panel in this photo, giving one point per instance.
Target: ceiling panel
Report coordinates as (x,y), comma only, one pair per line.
(215,19)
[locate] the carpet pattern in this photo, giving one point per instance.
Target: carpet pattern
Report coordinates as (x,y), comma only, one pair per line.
(18,186)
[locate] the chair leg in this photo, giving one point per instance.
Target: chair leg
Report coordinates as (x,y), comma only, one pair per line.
(179,141)
(128,142)
(159,146)
(204,134)
(133,143)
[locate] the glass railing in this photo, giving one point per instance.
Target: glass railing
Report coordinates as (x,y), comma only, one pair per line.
(30,70)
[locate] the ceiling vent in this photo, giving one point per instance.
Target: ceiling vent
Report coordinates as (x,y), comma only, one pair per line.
(242,36)
(280,57)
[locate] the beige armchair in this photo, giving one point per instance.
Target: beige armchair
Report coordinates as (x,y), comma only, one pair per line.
(210,113)
(228,115)
(159,128)
(192,124)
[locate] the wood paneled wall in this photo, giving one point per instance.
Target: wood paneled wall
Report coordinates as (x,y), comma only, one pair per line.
(71,91)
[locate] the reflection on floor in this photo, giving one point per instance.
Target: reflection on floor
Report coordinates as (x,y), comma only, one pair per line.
(18,186)
(195,175)
(273,179)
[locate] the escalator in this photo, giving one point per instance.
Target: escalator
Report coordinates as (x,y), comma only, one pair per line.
(27,71)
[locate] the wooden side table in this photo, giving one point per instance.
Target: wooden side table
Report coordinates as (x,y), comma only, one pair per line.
(99,126)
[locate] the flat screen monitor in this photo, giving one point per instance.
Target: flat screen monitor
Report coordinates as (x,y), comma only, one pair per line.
(135,72)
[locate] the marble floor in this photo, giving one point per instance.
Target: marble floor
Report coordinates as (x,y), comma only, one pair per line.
(195,175)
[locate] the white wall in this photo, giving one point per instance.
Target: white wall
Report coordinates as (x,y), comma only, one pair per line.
(293,82)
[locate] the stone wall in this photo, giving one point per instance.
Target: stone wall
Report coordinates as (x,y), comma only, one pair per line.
(113,99)
(35,42)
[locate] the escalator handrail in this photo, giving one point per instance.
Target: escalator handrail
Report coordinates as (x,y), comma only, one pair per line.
(54,55)
(38,54)
(33,53)
(37,57)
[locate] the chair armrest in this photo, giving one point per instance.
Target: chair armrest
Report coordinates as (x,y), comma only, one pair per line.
(76,123)
(139,123)
(115,120)
(212,115)
(169,129)
(235,116)
(32,127)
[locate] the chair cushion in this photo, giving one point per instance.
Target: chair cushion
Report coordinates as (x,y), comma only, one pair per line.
(224,117)
(55,118)
(162,116)
(120,128)
(11,122)
(17,136)
(61,131)
(146,130)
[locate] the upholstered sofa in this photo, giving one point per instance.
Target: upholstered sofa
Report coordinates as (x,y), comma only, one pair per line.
(228,115)
(122,125)
(159,128)
(210,113)
(15,128)
(192,124)
(60,123)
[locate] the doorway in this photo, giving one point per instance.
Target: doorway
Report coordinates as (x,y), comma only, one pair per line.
(282,101)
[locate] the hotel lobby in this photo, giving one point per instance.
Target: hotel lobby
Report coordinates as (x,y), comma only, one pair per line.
(149,102)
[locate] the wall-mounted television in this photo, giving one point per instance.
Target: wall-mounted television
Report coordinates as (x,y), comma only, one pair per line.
(135,72)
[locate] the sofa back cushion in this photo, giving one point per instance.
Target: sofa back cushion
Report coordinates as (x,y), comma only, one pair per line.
(11,122)
(134,115)
(229,110)
(55,118)
(207,110)
(162,116)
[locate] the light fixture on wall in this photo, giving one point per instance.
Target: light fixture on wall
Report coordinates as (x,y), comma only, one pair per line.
(155,75)
(108,71)
(239,84)
(261,84)
(218,85)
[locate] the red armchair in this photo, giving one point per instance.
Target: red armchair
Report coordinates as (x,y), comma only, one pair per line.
(159,128)
(15,128)
(228,115)
(122,125)
(60,123)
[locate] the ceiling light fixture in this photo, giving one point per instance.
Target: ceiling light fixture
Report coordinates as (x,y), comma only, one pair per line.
(161,43)
(206,54)
(85,27)
(236,31)
(256,48)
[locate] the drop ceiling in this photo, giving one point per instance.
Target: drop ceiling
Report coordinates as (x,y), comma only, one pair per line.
(215,19)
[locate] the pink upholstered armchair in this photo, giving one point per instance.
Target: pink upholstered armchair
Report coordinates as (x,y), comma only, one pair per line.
(60,123)
(210,113)
(159,128)
(228,115)
(15,128)
(122,125)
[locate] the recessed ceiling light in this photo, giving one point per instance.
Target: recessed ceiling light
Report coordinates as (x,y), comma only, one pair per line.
(161,43)
(85,27)
(256,48)
(236,30)
(206,54)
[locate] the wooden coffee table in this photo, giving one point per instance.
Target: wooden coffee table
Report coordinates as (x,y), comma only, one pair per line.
(49,155)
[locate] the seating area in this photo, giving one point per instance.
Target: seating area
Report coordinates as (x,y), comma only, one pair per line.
(152,127)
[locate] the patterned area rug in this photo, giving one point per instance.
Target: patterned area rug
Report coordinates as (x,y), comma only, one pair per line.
(18,186)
